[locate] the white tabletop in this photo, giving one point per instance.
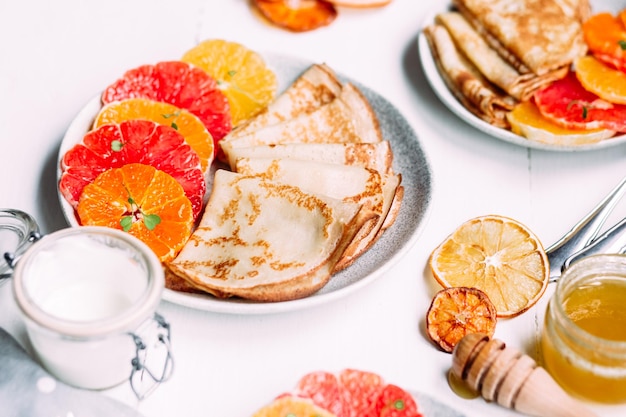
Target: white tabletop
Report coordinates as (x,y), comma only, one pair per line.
(57,55)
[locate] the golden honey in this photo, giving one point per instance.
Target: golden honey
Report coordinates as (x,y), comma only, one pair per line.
(584,337)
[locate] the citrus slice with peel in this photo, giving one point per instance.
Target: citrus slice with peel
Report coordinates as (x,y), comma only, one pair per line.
(132,141)
(527,121)
(241,73)
(567,103)
(362,4)
(143,201)
(290,406)
(180,84)
(499,256)
(605,34)
(457,311)
(298,15)
(602,80)
(187,124)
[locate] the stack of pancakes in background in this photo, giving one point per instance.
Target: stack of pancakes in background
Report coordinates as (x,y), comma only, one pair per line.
(493,54)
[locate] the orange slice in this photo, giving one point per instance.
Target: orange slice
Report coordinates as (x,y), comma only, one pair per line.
(188,125)
(600,79)
(527,121)
(242,75)
(606,34)
(298,15)
(360,3)
(290,406)
(457,311)
(147,203)
(499,256)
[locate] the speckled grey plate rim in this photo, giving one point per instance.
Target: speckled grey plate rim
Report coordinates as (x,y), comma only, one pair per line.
(449,100)
(431,407)
(409,160)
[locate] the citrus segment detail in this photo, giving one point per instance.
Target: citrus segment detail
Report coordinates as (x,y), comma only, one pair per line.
(299,16)
(142,200)
(499,256)
(567,103)
(187,124)
(132,141)
(457,311)
(526,120)
(602,80)
(180,84)
(241,74)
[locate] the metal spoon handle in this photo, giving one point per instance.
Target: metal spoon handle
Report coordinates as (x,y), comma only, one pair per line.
(584,232)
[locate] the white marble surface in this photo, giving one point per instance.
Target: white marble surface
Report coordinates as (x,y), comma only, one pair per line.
(55,56)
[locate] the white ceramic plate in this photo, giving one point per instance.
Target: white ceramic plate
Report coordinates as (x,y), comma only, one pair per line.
(444,94)
(409,160)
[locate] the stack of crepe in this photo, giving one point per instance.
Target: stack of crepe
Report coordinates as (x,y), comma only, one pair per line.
(310,188)
(494,53)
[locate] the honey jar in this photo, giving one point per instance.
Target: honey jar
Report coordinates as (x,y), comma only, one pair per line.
(584,337)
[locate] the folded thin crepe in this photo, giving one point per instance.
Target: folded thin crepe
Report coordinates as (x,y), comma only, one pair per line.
(490,64)
(532,35)
(27,390)
(465,81)
(578,9)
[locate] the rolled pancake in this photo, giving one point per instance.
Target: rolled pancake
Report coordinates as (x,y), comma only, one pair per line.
(470,87)
(490,63)
(374,191)
(536,33)
(265,241)
(316,86)
(376,156)
(349,118)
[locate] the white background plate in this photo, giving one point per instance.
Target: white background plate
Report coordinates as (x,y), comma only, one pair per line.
(409,160)
(444,94)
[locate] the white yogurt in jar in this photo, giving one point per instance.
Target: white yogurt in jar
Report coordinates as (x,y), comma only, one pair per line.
(83,291)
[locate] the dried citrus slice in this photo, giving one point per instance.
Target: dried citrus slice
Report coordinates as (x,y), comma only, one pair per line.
(498,255)
(290,406)
(142,200)
(132,141)
(187,124)
(606,34)
(242,74)
(567,103)
(179,84)
(602,80)
(457,311)
(299,15)
(527,121)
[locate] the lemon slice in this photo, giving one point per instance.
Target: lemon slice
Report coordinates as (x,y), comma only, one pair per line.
(499,256)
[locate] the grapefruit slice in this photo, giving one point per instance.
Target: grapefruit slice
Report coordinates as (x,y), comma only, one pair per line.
(187,124)
(527,121)
(297,16)
(567,103)
(132,141)
(143,201)
(180,84)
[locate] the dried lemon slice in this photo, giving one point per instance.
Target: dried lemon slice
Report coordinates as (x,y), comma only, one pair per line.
(497,255)
(458,311)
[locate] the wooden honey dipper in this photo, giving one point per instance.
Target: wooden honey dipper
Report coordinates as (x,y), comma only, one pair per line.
(511,379)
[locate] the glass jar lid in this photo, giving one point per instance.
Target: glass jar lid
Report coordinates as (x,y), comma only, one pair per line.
(18,231)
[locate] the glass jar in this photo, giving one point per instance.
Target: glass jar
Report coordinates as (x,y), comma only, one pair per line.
(584,337)
(88,297)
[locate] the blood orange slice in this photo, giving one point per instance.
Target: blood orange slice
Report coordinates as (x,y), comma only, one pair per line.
(360,390)
(132,141)
(298,16)
(142,200)
(187,124)
(396,402)
(180,84)
(567,103)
